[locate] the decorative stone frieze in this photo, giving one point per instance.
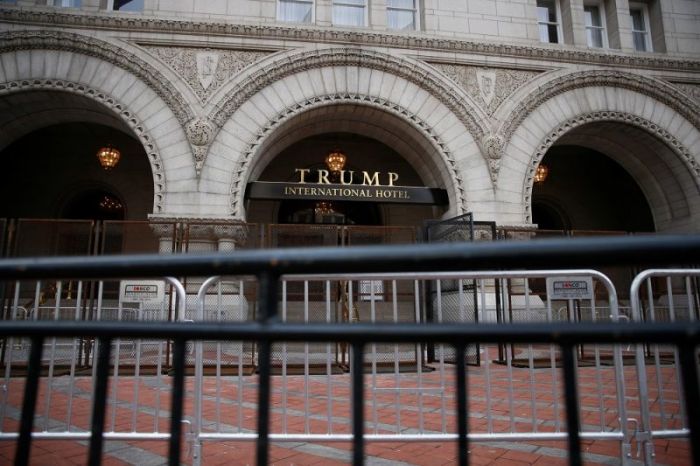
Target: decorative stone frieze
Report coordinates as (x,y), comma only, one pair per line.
(91,46)
(241,175)
(692,90)
(489,87)
(57,17)
(148,142)
(205,69)
(638,122)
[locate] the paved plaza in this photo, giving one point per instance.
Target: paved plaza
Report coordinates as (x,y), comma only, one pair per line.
(501,400)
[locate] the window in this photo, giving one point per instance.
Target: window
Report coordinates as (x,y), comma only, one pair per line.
(594,15)
(548,20)
(401,14)
(67,3)
(640,27)
(349,12)
(296,11)
(125,5)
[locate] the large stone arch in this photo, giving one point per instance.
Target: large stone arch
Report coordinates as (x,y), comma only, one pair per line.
(237,147)
(598,117)
(127,102)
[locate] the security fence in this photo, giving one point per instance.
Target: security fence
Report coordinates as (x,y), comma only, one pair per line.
(259,357)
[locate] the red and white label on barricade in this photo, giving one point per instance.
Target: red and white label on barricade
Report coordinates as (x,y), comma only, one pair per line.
(142,291)
(570,288)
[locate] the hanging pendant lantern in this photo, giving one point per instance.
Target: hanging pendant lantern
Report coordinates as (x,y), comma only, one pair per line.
(108,157)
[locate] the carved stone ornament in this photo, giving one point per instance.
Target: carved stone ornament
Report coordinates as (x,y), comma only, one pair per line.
(648,126)
(60,18)
(241,174)
(205,70)
(489,87)
(94,47)
(492,146)
(200,132)
(654,88)
(693,90)
(414,72)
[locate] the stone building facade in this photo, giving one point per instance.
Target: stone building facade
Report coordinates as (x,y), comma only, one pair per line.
(467,96)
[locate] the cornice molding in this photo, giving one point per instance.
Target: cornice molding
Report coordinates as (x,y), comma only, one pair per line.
(149,146)
(594,117)
(52,18)
(242,173)
(91,46)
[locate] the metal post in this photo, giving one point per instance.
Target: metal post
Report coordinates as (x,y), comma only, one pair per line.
(268,310)
(99,401)
(462,408)
(358,405)
(31,390)
(572,416)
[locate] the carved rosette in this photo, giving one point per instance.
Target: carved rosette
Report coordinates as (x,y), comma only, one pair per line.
(200,132)
(489,87)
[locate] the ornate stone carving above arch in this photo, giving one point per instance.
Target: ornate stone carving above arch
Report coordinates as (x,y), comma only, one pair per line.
(654,88)
(149,146)
(470,115)
(604,116)
(91,46)
(245,165)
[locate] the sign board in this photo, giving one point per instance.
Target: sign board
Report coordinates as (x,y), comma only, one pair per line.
(142,291)
(570,288)
(338,192)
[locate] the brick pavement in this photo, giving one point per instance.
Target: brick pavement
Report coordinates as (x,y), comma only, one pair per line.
(502,399)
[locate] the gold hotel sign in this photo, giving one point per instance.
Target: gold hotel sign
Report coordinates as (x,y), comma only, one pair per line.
(346,185)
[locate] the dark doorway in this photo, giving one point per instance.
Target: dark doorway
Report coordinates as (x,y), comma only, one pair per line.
(94,204)
(586,190)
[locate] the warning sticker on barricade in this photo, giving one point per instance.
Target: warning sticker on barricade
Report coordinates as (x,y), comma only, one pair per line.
(142,291)
(570,288)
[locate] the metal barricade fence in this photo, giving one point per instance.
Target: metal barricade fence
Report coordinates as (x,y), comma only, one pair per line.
(673,298)
(511,407)
(511,383)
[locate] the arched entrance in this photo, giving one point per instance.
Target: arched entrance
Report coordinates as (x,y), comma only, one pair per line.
(363,154)
(54,189)
(586,190)
(615,175)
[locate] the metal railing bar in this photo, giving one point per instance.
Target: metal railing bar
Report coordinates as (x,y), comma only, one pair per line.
(452,333)
(99,405)
(572,415)
(177,402)
(462,407)
(570,252)
(358,405)
(31,390)
(691,388)
(427,437)
(280,437)
(268,313)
